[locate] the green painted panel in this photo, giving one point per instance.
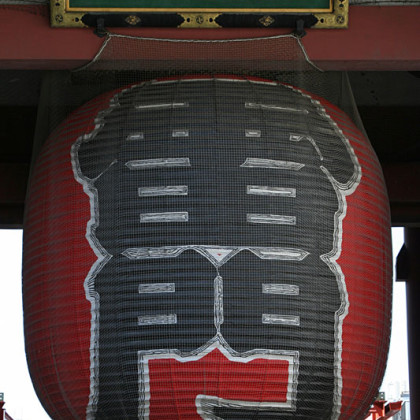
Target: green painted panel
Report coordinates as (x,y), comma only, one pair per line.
(194,5)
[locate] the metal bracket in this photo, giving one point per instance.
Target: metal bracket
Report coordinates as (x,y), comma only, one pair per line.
(337,19)
(100,30)
(300,28)
(199,20)
(61,19)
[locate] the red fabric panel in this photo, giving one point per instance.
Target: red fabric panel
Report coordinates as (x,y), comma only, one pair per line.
(57,258)
(175,385)
(366,263)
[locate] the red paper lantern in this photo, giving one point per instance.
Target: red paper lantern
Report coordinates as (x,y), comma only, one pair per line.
(207,247)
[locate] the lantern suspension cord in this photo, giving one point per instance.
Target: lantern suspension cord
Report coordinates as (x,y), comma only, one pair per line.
(98,54)
(110,35)
(305,54)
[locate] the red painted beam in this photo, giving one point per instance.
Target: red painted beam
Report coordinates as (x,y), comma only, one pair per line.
(378,38)
(381,410)
(3,414)
(392,409)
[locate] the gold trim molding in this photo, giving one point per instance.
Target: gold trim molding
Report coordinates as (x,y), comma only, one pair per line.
(199,20)
(338,18)
(60,18)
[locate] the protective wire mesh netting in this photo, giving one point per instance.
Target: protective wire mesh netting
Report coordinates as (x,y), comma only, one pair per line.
(123,60)
(182,234)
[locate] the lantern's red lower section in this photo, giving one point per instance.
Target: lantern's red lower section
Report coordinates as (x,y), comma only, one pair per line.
(175,386)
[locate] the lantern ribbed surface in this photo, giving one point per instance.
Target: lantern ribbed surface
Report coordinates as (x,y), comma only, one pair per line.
(207,248)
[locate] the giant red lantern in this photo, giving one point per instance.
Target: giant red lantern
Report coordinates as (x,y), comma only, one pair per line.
(207,247)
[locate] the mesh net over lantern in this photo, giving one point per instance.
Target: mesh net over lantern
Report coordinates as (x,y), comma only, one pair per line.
(207,248)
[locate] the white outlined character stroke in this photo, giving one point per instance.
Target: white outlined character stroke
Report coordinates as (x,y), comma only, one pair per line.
(189,262)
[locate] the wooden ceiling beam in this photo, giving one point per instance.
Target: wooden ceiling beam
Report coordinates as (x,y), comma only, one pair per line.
(378,38)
